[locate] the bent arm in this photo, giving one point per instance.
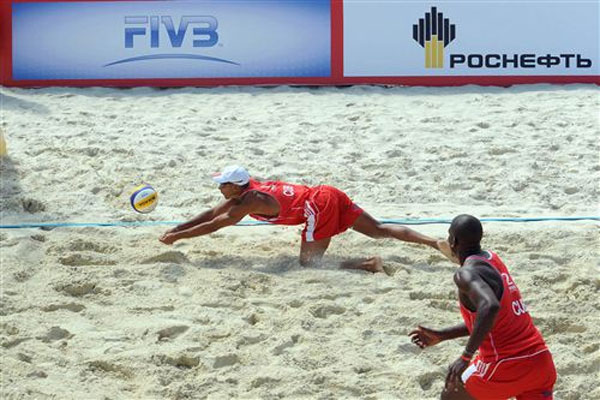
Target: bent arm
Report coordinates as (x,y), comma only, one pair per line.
(454,332)
(483,298)
(205,216)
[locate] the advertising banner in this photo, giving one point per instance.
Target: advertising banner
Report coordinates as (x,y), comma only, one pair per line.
(460,38)
(171,39)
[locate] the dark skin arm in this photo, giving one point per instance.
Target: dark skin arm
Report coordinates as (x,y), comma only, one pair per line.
(427,337)
(481,296)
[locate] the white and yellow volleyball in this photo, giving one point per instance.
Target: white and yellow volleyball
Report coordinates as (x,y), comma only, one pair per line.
(144,199)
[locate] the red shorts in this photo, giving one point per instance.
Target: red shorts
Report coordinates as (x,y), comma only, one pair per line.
(525,377)
(328,211)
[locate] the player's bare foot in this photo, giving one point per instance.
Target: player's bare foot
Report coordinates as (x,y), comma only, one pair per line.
(373,264)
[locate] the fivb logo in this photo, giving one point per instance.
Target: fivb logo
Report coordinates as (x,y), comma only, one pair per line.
(434,32)
(140,27)
(205,30)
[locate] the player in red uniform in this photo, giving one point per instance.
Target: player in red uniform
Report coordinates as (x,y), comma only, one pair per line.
(325,211)
(513,359)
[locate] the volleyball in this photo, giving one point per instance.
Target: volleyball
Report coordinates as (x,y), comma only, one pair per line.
(144,199)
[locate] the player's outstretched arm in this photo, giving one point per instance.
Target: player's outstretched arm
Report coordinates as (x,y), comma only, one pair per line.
(205,216)
(444,247)
(231,217)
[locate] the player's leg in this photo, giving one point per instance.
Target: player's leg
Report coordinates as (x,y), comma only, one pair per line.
(312,252)
(542,380)
(455,392)
(367,225)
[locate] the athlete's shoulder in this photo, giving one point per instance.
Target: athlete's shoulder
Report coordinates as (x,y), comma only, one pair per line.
(250,201)
(464,275)
(471,271)
(253,196)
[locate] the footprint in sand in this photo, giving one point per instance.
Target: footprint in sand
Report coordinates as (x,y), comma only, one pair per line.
(74,307)
(37,374)
(32,205)
(554,326)
(55,333)
(175,257)
(85,245)
(286,345)
(171,332)
(82,259)
(172,273)
(13,343)
(431,296)
(427,379)
(225,360)
(571,190)
(22,276)
(326,310)
(265,380)
(250,339)
(179,361)
(444,305)
(106,366)
(78,289)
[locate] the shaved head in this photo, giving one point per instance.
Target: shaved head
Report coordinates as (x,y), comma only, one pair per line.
(466,231)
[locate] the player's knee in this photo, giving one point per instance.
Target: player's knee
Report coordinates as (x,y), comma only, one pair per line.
(304,261)
(459,394)
(309,261)
(447,395)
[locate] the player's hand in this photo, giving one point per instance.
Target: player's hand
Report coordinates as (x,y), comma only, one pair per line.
(425,337)
(168,238)
(453,378)
(444,247)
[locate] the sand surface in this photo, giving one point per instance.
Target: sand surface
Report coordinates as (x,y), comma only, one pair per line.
(111,313)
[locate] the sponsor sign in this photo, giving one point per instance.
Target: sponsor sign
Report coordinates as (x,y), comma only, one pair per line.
(421,38)
(171,39)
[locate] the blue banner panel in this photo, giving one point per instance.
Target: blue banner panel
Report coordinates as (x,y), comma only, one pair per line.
(171,39)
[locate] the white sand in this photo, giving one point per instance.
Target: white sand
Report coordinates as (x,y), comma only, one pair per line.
(111,313)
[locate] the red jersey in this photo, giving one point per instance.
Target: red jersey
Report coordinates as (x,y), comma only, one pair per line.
(291,199)
(513,332)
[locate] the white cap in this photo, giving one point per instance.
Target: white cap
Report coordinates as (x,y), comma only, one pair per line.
(233,174)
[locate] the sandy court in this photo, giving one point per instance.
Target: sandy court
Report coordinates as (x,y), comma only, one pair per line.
(111,313)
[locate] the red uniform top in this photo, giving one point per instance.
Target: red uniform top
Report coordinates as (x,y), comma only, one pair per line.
(513,332)
(291,199)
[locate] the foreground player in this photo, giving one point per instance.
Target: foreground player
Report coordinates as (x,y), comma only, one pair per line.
(513,359)
(325,211)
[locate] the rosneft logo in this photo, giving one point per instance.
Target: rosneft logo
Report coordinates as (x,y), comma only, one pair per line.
(434,32)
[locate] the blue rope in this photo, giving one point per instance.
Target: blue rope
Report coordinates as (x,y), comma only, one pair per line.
(406,221)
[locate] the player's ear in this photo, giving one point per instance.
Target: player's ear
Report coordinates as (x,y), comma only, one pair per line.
(454,243)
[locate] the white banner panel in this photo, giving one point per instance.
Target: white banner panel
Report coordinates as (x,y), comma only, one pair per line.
(421,38)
